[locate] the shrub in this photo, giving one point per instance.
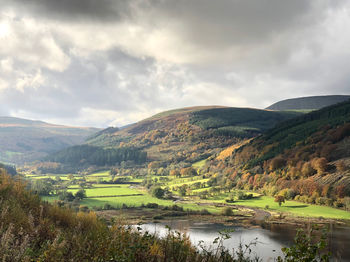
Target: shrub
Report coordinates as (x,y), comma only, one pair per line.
(152,205)
(158,192)
(227,211)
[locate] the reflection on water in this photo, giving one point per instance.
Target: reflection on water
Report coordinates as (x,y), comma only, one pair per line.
(270,241)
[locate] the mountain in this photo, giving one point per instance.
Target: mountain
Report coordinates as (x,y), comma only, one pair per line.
(23,140)
(190,134)
(308,103)
(307,157)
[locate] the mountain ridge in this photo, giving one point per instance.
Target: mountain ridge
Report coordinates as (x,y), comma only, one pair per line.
(308,103)
(23,140)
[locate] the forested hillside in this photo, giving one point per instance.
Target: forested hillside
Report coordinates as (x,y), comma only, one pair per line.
(306,158)
(24,140)
(190,134)
(86,155)
(308,103)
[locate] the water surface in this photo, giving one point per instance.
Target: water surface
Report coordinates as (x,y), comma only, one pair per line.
(268,241)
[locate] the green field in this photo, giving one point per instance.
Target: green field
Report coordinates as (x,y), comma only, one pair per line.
(188,183)
(199,164)
(293,207)
(100,174)
(102,190)
(133,195)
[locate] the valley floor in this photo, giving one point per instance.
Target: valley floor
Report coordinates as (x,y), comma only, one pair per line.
(133,200)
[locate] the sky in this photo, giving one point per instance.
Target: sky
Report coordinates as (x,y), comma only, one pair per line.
(114,62)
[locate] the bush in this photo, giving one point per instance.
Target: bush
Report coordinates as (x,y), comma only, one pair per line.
(80,194)
(152,205)
(205,212)
(159,217)
(66,196)
(158,192)
(227,211)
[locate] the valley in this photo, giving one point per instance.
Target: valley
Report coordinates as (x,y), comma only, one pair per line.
(131,194)
(234,167)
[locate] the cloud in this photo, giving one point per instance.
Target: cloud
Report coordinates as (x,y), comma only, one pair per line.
(29,41)
(109,62)
(72,10)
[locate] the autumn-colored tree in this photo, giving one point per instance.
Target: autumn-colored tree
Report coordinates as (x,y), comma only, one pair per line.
(341,167)
(277,163)
(319,164)
(307,170)
(347,203)
(326,191)
(245,176)
(175,173)
(327,150)
(251,180)
(280,199)
(340,191)
(154,164)
(188,171)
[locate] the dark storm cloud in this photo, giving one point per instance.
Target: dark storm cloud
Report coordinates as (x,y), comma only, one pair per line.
(97,10)
(232,21)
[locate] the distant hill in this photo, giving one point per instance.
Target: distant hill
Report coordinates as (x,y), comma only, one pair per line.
(307,156)
(308,103)
(190,134)
(23,140)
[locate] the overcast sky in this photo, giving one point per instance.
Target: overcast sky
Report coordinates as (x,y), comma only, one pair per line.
(113,62)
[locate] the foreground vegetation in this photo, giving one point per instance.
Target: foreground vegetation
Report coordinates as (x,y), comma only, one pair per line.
(32,230)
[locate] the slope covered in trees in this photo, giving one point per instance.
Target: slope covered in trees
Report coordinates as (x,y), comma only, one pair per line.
(306,158)
(24,140)
(308,103)
(84,155)
(190,134)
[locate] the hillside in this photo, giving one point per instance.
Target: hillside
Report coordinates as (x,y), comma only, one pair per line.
(23,140)
(307,157)
(308,103)
(190,134)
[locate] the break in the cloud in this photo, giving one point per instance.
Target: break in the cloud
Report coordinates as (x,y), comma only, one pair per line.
(112,62)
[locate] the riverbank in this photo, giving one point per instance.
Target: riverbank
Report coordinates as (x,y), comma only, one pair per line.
(242,216)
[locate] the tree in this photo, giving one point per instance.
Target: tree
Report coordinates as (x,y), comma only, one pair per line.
(80,194)
(280,199)
(347,203)
(307,170)
(227,211)
(319,164)
(42,187)
(175,173)
(188,171)
(66,196)
(277,163)
(182,190)
(341,167)
(158,192)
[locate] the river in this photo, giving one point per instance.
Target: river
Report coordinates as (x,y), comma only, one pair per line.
(269,240)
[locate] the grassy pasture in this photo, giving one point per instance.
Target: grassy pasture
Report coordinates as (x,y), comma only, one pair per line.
(292,207)
(100,174)
(188,183)
(199,164)
(108,191)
